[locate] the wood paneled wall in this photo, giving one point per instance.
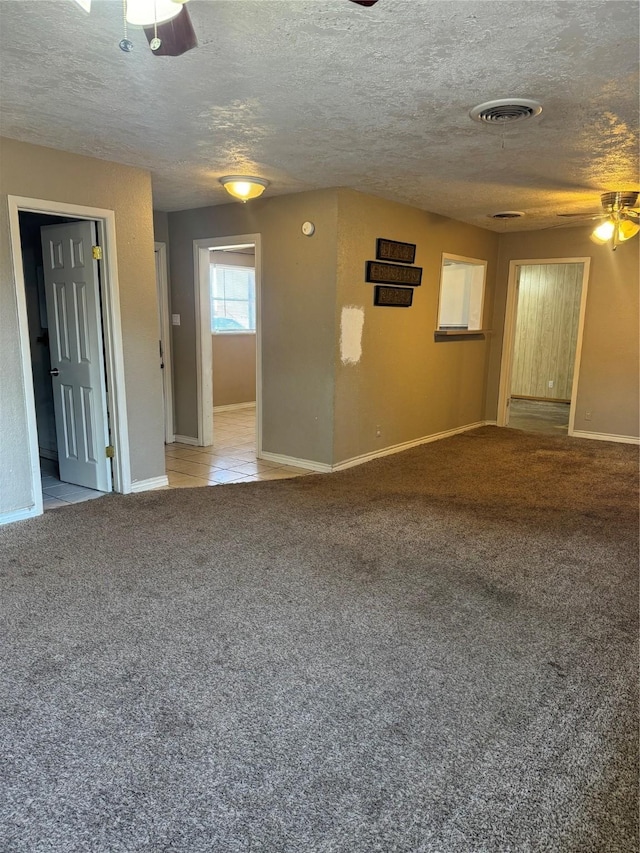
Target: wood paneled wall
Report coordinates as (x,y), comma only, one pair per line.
(546,330)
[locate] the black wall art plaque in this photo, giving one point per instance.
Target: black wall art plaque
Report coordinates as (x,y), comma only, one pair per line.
(393,274)
(391,250)
(392,297)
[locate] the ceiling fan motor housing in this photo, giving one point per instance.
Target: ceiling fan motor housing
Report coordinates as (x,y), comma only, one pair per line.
(618,201)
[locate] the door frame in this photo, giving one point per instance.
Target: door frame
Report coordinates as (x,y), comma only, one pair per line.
(165,326)
(112,335)
(508,338)
(204,358)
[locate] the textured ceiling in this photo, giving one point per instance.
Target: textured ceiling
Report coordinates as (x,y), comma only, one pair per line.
(325,93)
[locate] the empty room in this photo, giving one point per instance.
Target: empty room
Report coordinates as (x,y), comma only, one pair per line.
(319,426)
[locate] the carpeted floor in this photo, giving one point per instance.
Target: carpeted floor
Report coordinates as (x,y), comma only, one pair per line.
(432,652)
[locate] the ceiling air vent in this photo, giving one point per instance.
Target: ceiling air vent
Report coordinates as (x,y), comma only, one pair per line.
(505,110)
(507,214)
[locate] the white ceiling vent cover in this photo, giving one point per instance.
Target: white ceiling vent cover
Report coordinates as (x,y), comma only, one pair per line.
(505,110)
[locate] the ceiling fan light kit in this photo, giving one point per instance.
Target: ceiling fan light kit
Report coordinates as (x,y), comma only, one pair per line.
(622,221)
(244,187)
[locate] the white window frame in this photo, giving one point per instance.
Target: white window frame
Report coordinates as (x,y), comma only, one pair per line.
(252,302)
(476,263)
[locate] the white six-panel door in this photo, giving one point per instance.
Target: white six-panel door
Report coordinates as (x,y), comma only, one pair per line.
(77,359)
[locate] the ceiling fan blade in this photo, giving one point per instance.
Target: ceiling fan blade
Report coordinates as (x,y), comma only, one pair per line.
(583,215)
(365,2)
(177,35)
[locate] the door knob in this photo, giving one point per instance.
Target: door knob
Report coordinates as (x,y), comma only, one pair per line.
(54,372)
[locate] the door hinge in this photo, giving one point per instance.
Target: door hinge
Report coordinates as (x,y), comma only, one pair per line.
(110,452)
(97,253)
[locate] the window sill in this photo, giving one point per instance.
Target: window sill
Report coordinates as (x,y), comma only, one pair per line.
(460,333)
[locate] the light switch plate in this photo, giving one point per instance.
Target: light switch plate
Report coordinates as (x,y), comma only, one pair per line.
(175,319)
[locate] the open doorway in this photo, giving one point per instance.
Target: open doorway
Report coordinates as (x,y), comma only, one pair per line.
(227,275)
(542,341)
(71,350)
(62,290)
(237,302)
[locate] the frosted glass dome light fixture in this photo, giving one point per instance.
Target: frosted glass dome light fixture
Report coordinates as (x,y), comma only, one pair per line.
(146,13)
(244,187)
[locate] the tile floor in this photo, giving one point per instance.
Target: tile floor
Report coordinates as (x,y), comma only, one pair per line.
(56,493)
(230,459)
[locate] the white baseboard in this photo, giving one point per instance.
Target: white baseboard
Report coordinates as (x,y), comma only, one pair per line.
(186,439)
(602,436)
(294,462)
(151,483)
(405,445)
(231,406)
(367,457)
(20,514)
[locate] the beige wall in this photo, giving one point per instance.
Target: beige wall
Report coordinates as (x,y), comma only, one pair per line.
(234,369)
(43,173)
(608,384)
(298,312)
(405,383)
(234,354)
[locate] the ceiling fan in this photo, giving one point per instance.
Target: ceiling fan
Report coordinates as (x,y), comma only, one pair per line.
(166,23)
(619,219)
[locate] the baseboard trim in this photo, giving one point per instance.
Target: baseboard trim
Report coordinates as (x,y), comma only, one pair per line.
(45,453)
(601,436)
(294,462)
(368,457)
(151,483)
(231,406)
(406,445)
(186,439)
(20,514)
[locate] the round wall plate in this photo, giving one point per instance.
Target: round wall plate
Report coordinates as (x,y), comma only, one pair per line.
(308,228)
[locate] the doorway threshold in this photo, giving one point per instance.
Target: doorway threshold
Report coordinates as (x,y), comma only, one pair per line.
(55,493)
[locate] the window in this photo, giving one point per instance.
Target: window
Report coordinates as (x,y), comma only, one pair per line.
(461,294)
(233,299)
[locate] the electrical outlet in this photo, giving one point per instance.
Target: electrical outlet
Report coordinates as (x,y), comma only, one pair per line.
(550,383)
(378,431)
(175,319)
(587,416)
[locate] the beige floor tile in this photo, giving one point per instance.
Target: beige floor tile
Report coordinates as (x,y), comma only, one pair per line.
(221,460)
(231,458)
(225,477)
(182,452)
(194,469)
(254,467)
(276,474)
(183,481)
(208,458)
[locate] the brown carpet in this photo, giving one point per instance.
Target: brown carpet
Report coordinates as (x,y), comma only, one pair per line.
(432,652)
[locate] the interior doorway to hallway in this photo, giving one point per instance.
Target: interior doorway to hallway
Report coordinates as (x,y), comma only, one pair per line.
(542,343)
(64,260)
(227,283)
(62,289)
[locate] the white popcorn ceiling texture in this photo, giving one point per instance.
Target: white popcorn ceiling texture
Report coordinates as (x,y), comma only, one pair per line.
(324,93)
